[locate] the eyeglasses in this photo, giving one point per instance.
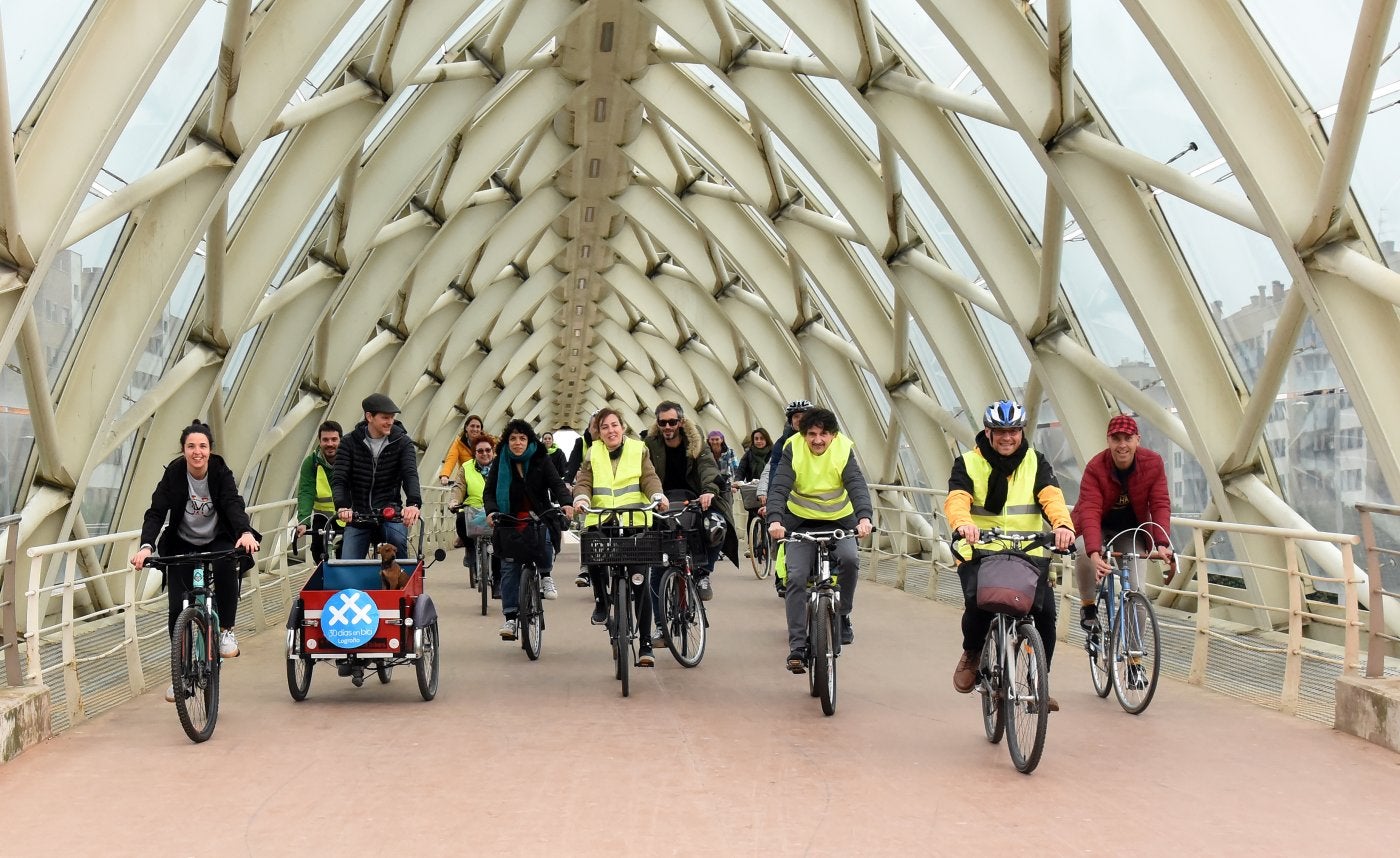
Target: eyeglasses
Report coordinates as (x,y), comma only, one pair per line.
(200,506)
(484,451)
(668,423)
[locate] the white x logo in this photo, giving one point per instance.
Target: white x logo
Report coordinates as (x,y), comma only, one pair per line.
(348,604)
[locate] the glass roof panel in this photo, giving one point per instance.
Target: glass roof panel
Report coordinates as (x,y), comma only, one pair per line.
(1312,40)
(350,35)
(917,37)
(1376,179)
(36,35)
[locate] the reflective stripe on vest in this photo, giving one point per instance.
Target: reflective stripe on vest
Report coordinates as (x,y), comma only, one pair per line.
(1021,514)
(817,489)
(620,487)
(475,482)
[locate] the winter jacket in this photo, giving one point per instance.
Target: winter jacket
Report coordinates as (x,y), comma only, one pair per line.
(171,499)
(1147,494)
(753,462)
(702,475)
(306,483)
(364,484)
(457,455)
(541,488)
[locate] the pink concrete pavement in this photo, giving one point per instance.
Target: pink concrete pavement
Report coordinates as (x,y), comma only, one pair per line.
(732,757)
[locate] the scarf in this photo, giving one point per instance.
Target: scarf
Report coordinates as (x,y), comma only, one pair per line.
(1002,469)
(758,459)
(507,473)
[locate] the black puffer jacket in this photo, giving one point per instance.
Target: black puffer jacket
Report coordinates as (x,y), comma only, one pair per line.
(173,493)
(541,487)
(364,484)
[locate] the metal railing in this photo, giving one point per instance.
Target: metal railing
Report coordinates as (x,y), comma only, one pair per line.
(268,593)
(9,628)
(1378,636)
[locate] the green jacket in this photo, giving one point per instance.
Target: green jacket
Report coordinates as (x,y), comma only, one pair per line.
(306,484)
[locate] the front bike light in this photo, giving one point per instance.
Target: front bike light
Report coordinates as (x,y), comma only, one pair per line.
(638,578)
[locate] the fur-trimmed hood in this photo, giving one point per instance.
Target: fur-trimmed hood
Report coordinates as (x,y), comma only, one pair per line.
(694,442)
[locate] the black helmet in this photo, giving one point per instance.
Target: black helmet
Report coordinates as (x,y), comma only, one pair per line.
(796,406)
(715,528)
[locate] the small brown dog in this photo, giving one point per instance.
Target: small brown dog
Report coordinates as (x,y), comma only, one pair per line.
(390,575)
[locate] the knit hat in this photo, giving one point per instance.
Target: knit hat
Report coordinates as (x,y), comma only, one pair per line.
(715,433)
(1122,424)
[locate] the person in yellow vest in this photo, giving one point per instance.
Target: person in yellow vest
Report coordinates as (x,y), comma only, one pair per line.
(315,506)
(1004,483)
(468,501)
(818,485)
(617,471)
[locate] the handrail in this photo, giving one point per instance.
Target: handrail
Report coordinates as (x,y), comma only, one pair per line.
(1376,629)
(9,629)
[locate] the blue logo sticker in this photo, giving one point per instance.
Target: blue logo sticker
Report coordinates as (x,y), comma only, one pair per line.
(350,619)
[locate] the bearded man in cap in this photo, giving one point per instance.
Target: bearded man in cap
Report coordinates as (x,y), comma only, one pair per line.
(1124,487)
(377,469)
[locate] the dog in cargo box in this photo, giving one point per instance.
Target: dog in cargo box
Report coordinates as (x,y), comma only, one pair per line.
(390,574)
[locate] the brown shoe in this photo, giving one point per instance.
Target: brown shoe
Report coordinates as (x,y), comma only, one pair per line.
(965,675)
(1054,704)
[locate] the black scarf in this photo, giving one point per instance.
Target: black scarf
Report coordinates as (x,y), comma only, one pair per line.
(1002,469)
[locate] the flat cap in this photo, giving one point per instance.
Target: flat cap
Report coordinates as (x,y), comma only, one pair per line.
(378,403)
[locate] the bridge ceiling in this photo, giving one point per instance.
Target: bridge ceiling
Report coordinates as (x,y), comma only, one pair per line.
(258,212)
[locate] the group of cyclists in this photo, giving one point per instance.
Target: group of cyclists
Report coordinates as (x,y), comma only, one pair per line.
(809,479)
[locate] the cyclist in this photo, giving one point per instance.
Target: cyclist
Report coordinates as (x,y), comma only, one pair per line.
(523,481)
(795,410)
(754,462)
(1005,483)
(684,465)
(616,471)
(468,500)
(460,453)
(556,455)
(818,486)
(198,493)
(376,462)
(315,505)
(724,457)
(1123,487)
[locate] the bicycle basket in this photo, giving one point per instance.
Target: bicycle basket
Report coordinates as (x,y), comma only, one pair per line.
(476,521)
(601,549)
(749,492)
(1006,584)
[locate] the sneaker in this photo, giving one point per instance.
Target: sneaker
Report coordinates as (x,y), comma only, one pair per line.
(547,588)
(848,634)
(581,580)
(1137,678)
(706,591)
(797,661)
(965,674)
(508,630)
(658,640)
(228,644)
(170,693)
(1088,617)
(645,658)
(600,613)
(1052,704)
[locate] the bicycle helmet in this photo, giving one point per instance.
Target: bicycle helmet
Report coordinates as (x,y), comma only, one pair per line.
(715,528)
(797,405)
(1004,414)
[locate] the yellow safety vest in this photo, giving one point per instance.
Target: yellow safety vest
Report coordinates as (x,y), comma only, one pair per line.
(324,501)
(475,483)
(1022,514)
(620,487)
(817,489)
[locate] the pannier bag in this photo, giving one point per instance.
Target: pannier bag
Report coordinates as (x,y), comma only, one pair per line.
(1006,584)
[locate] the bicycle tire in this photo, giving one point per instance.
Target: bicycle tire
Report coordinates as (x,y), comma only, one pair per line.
(1099,646)
(1027,699)
(683,620)
(824,660)
(622,616)
(1140,642)
(299,669)
(811,648)
(531,614)
(194,672)
(759,549)
(483,574)
(385,672)
(989,681)
(426,665)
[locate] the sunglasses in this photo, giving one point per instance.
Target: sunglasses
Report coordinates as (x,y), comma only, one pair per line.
(668,423)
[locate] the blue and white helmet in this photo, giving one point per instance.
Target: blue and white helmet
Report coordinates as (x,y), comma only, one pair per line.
(1004,414)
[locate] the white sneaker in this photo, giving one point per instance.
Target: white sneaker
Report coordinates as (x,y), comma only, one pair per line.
(170,693)
(547,589)
(228,644)
(508,630)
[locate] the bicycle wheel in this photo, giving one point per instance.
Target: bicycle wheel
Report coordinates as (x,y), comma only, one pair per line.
(385,671)
(194,671)
(299,669)
(622,629)
(758,548)
(824,656)
(427,663)
(1027,699)
(812,647)
(682,617)
(531,613)
(1098,646)
(990,684)
(1136,653)
(483,573)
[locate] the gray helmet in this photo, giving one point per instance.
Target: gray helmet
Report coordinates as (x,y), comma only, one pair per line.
(715,528)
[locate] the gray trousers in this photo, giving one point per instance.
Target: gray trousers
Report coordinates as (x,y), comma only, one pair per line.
(1085,576)
(801,563)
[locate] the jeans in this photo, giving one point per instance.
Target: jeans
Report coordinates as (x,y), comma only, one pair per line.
(510,584)
(801,567)
(358,540)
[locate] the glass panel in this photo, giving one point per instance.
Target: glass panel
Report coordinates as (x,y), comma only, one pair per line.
(1102,316)
(165,107)
(16,433)
(36,34)
(1312,40)
(100,500)
(918,38)
(1015,168)
(252,175)
(62,302)
(168,334)
(1015,366)
(335,56)
(1376,179)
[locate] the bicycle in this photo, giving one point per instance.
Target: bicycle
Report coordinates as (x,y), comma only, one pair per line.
(530,605)
(679,611)
(481,556)
(628,556)
(760,547)
(1129,657)
(194,647)
(1013,675)
(823,617)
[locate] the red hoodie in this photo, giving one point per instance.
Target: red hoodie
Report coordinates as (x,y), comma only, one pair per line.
(1147,494)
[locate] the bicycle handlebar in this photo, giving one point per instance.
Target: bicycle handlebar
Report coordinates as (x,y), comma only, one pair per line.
(531,518)
(1016,543)
(819,535)
(193,557)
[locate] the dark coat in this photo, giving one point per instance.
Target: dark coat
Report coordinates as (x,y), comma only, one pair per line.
(172,495)
(541,487)
(1147,494)
(702,476)
(364,485)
